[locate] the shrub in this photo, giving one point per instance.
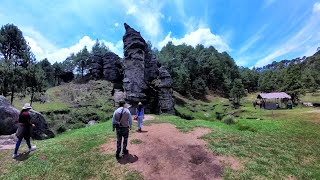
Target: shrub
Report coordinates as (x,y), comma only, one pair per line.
(246,128)
(229,119)
(184,113)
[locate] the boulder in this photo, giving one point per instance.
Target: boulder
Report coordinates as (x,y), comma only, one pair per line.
(41,129)
(9,119)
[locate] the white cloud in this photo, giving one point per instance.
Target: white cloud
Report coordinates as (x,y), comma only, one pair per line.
(147,15)
(42,48)
(132,9)
(252,40)
(201,36)
(316,7)
(302,41)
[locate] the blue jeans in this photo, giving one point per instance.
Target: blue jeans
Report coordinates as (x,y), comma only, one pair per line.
(19,143)
(140,121)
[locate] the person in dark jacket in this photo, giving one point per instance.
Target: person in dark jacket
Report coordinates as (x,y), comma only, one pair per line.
(24,129)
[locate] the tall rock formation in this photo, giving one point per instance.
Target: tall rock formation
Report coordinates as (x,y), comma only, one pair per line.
(144,79)
(107,66)
(134,83)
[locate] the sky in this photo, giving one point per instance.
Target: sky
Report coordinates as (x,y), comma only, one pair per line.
(254,32)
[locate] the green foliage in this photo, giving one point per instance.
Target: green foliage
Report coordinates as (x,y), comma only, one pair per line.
(237,91)
(229,119)
(135,141)
(194,70)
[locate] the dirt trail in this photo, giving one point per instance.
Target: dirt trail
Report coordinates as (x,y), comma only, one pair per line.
(166,153)
(8,142)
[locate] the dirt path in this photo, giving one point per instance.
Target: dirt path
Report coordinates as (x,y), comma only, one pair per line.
(162,152)
(8,142)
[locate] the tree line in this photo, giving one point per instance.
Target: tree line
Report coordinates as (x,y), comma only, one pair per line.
(196,71)
(21,74)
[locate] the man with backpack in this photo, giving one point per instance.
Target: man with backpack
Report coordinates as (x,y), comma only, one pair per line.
(122,122)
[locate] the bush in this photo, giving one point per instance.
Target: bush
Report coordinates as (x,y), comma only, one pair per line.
(229,119)
(61,129)
(246,128)
(184,113)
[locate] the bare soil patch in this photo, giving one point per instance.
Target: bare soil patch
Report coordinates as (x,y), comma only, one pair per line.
(166,153)
(8,142)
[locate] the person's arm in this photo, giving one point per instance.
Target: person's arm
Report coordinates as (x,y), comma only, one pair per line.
(130,119)
(142,112)
(113,120)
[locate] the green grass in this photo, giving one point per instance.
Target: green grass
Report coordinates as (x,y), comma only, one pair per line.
(270,145)
(54,103)
(72,155)
(135,141)
(311,97)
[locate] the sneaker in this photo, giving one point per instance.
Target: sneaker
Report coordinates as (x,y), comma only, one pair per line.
(14,156)
(125,151)
(33,148)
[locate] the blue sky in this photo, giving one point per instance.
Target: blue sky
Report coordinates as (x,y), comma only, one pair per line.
(253,32)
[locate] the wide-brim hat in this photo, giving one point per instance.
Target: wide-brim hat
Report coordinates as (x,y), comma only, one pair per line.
(26,106)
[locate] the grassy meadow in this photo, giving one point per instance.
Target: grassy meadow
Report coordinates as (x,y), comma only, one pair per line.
(279,144)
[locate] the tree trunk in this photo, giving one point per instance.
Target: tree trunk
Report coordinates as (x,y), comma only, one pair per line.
(32,94)
(12,94)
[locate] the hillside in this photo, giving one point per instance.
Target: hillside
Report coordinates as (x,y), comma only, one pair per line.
(73,105)
(277,144)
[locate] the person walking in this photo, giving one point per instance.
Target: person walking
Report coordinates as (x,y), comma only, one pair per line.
(140,116)
(24,129)
(122,122)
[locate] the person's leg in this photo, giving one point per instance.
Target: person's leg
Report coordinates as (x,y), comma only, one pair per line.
(28,142)
(17,146)
(125,140)
(119,139)
(141,122)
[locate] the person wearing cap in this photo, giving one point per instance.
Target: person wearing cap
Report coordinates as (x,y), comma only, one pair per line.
(24,129)
(122,122)
(140,116)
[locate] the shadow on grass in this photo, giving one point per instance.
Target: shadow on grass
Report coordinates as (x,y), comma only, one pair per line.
(128,158)
(24,156)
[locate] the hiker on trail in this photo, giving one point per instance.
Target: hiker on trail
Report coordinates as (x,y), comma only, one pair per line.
(122,121)
(24,129)
(140,116)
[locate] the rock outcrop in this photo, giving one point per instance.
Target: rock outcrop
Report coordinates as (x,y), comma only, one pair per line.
(144,79)
(134,66)
(166,101)
(9,119)
(41,129)
(107,66)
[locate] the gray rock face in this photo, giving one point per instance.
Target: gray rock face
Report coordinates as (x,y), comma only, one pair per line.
(10,116)
(166,101)
(107,67)
(41,129)
(134,55)
(143,80)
